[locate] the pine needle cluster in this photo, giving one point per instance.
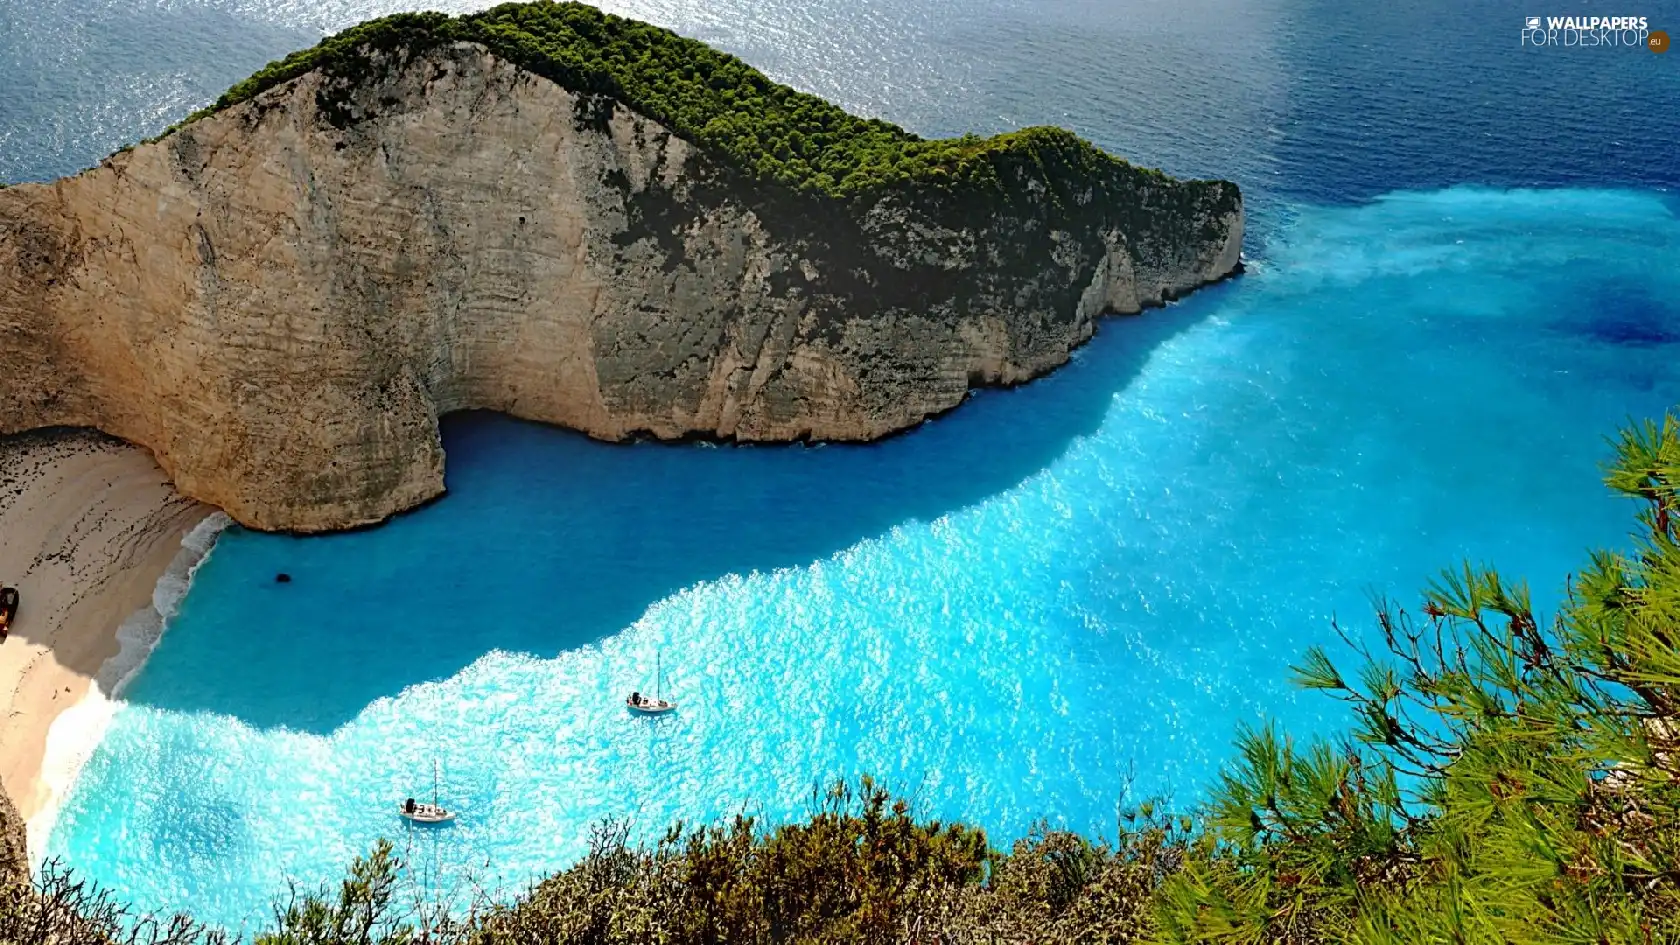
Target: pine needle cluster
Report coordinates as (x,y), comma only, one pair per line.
(1509,779)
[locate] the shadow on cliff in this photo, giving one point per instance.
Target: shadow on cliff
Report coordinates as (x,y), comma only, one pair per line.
(548,541)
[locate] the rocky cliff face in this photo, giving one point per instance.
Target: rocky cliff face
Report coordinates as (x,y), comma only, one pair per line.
(279,300)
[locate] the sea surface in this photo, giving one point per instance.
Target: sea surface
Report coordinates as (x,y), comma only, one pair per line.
(1464,274)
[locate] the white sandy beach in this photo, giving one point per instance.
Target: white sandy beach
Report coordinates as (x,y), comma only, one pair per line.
(88,526)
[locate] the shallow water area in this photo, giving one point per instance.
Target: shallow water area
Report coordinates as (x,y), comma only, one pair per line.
(1010,613)
(1013,612)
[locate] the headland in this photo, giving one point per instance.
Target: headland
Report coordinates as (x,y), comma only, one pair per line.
(569,217)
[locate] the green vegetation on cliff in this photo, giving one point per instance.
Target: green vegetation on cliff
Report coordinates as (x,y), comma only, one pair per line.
(713,99)
(1509,779)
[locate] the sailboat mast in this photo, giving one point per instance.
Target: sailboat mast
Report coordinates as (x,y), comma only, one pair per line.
(659,675)
(434,782)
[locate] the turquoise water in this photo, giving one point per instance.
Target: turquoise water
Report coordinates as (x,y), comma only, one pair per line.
(1010,613)
(1466,261)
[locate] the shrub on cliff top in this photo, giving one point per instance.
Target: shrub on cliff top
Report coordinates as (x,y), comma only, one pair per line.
(861,869)
(60,909)
(711,98)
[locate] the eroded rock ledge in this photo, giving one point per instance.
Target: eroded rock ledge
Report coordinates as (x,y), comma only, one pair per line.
(280,303)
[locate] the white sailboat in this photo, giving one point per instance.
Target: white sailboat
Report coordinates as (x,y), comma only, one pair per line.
(636,702)
(423,813)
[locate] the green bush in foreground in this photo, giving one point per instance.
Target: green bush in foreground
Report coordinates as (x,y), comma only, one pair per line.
(861,869)
(761,127)
(1508,779)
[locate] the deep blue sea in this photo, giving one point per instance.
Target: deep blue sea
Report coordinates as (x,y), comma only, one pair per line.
(1465,273)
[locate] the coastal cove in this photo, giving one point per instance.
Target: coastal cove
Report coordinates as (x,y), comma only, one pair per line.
(1164,537)
(1054,596)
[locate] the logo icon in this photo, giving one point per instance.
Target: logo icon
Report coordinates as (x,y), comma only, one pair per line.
(1658,41)
(1533,23)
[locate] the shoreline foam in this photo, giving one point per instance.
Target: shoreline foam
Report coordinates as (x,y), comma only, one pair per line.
(94,534)
(76,733)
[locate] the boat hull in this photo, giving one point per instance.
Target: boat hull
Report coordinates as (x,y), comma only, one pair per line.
(426,814)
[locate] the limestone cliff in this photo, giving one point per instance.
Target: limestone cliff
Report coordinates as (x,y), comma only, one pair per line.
(281,298)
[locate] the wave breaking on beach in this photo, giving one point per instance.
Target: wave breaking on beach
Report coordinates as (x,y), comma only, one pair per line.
(77,732)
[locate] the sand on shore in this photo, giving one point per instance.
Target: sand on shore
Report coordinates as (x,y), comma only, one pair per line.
(88,525)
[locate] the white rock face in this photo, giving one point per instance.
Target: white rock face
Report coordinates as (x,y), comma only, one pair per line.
(280,302)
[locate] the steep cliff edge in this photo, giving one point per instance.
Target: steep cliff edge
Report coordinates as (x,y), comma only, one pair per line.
(281,297)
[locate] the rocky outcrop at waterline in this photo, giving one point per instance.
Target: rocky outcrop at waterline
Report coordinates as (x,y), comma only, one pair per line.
(280,298)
